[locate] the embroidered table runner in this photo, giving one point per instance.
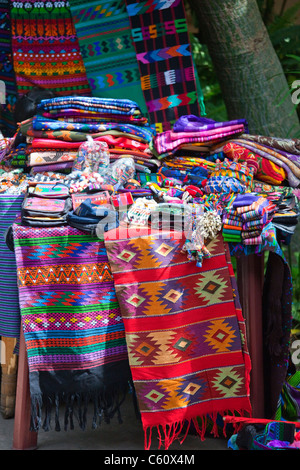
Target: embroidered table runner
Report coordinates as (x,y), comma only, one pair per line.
(184,331)
(73,329)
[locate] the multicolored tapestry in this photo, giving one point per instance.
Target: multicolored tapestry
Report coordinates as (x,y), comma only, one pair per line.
(46,52)
(185,332)
(73,329)
(10,208)
(161,40)
(8,90)
(104,34)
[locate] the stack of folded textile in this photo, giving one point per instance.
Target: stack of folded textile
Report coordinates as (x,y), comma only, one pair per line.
(276,160)
(196,134)
(63,124)
(245,217)
(189,151)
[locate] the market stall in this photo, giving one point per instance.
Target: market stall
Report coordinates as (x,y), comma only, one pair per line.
(134,234)
(102,253)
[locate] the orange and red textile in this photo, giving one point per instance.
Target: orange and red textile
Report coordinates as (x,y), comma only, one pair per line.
(184,329)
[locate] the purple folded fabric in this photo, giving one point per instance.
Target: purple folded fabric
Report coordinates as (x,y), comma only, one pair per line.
(191,123)
(52,167)
(244,200)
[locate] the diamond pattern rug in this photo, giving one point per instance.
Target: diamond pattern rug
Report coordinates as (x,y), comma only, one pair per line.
(185,333)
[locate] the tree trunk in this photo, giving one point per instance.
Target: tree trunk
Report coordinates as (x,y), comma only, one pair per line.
(251,78)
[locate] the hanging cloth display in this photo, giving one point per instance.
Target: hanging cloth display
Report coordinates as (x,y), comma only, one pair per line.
(73,330)
(45,48)
(104,36)
(163,51)
(184,331)
(8,90)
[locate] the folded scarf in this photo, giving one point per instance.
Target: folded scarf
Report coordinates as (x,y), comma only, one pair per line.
(167,141)
(191,123)
(288,158)
(47,157)
(286,145)
(90,104)
(41,124)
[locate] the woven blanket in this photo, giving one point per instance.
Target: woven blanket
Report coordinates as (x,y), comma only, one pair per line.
(45,48)
(104,36)
(184,331)
(73,330)
(10,208)
(7,75)
(163,51)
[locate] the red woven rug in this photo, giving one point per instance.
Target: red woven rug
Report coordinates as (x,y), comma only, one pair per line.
(185,332)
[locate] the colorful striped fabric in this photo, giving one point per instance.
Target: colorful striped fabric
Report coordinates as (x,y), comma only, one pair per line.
(8,90)
(104,35)
(45,48)
(71,319)
(10,207)
(161,40)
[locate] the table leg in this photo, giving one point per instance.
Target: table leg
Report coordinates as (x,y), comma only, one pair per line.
(23,438)
(250,278)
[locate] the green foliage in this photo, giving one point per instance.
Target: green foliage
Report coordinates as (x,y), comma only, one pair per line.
(294,263)
(284,33)
(214,104)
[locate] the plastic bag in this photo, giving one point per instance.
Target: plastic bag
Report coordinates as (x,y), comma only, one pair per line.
(92,156)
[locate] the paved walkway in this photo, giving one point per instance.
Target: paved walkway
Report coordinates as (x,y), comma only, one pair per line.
(108,437)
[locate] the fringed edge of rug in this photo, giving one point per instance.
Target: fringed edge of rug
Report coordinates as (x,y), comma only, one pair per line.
(167,434)
(106,405)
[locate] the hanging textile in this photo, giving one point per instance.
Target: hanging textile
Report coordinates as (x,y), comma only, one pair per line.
(45,48)
(184,331)
(277,323)
(10,208)
(8,90)
(109,57)
(73,330)
(163,51)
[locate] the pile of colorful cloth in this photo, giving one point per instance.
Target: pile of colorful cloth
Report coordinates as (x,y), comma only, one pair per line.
(245,218)
(274,160)
(61,125)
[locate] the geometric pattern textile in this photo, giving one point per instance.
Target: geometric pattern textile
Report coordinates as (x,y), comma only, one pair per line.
(7,76)
(45,48)
(184,329)
(73,330)
(104,35)
(161,40)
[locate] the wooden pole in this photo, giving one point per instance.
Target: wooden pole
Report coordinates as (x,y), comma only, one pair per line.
(9,367)
(23,438)
(250,278)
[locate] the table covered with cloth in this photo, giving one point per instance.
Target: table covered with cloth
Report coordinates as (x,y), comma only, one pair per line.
(100,316)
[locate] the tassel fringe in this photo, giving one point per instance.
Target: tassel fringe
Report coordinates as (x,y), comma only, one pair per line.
(167,434)
(106,405)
